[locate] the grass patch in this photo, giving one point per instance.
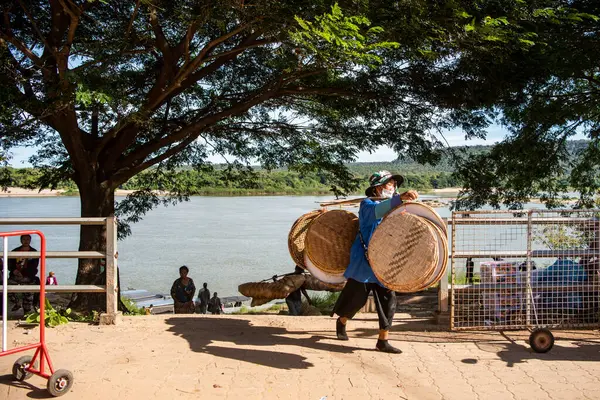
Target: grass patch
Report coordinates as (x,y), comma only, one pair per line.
(132,308)
(275,308)
(325,302)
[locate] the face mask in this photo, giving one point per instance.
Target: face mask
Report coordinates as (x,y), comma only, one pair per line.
(387,193)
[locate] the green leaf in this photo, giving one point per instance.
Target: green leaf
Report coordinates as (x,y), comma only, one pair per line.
(526,42)
(470,26)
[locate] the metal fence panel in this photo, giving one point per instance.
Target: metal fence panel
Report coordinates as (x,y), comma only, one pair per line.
(526,268)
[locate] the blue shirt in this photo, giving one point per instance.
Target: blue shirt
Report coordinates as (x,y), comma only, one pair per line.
(370,215)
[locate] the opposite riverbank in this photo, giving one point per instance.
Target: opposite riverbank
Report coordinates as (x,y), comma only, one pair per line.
(21,192)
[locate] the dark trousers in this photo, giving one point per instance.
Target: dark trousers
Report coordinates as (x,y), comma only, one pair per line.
(354,296)
(294,306)
(29,299)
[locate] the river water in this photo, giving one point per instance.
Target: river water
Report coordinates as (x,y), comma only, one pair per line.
(225,241)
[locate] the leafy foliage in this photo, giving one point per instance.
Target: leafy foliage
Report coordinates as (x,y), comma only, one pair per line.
(132,308)
(552,98)
(52,316)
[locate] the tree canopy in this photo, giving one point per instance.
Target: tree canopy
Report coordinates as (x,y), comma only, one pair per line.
(109,88)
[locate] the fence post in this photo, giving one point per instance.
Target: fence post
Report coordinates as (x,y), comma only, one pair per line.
(442,315)
(528,289)
(112,316)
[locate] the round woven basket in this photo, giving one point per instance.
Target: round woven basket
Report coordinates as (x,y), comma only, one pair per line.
(334,279)
(297,235)
(422,210)
(329,239)
(403,252)
(441,268)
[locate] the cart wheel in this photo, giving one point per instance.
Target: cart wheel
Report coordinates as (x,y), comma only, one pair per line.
(541,340)
(20,366)
(60,382)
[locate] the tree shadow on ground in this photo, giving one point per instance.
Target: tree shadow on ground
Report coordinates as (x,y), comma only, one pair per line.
(241,333)
(35,392)
(515,353)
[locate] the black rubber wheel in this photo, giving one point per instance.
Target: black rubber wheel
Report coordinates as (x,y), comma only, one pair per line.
(60,382)
(541,340)
(19,367)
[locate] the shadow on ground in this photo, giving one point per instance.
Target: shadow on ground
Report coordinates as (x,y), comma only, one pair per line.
(512,353)
(34,391)
(510,347)
(242,333)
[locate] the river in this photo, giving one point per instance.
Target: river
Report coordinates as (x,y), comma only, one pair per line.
(225,241)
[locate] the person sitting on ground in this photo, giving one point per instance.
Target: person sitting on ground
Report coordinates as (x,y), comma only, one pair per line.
(294,299)
(23,271)
(204,298)
(182,292)
(51,279)
(361,279)
(215,305)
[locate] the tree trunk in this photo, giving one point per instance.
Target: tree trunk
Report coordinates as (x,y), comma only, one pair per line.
(96,201)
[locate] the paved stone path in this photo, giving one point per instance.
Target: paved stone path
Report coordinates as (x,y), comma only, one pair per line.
(281,357)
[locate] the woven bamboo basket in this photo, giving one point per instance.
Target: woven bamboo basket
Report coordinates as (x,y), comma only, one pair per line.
(422,210)
(297,236)
(441,268)
(329,239)
(403,252)
(272,290)
(334,279)
(259,301)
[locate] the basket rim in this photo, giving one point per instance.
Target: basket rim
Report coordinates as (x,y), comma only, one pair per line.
(298,256)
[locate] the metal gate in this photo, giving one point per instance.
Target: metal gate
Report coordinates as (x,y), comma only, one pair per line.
(525,269)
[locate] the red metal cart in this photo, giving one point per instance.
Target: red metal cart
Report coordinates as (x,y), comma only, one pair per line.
(59,381)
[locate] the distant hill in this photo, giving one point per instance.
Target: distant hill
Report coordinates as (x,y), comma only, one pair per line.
(281,181)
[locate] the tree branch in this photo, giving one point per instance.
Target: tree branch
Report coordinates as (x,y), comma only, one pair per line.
(194,129)
(135,12)
(35,27)
(10,38)
(161,40)
(121,177)
(319,91)
(127,134)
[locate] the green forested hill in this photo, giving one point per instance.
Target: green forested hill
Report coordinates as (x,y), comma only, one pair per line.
(220,181)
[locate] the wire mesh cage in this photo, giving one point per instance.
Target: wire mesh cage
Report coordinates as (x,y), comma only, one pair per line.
(525,269)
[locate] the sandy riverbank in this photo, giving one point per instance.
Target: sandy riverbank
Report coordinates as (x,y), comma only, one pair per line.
(21,192)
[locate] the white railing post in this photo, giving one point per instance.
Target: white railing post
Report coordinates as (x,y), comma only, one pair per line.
(112,315)
(4,293)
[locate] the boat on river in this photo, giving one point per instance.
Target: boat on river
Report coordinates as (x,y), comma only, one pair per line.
(163,303)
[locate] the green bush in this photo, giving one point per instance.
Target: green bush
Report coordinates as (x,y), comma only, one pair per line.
(325,302)
(53,317)
(132,308)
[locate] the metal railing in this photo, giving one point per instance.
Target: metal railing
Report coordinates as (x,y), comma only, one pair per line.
(525,269)
(111,289)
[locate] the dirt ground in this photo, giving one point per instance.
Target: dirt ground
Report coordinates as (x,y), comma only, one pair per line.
(281,357)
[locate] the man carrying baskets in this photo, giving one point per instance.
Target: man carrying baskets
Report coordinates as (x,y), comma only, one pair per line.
(361,279)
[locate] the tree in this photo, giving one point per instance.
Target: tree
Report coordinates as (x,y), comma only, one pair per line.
(553,97)
(111,88)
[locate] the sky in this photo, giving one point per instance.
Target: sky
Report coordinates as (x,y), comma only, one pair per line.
(495,134)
